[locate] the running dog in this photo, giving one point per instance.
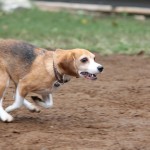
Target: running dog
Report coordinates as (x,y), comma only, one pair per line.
(40,71)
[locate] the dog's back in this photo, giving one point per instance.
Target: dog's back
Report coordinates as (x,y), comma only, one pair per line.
(15,55)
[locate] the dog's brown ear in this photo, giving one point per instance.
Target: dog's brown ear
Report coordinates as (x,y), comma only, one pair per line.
(67,63)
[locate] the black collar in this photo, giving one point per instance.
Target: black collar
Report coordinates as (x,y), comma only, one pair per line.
(58,76)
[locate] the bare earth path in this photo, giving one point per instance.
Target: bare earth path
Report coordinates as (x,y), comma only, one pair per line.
(112,113)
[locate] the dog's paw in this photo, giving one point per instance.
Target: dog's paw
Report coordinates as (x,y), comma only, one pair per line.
(34,109)
(5,117)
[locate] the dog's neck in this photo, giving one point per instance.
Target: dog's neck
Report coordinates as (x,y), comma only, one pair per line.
(58,72)
(59,77)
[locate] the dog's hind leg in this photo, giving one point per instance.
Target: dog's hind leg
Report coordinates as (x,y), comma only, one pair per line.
(4,83)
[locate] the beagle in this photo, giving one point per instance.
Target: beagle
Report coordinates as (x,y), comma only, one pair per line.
(40,71)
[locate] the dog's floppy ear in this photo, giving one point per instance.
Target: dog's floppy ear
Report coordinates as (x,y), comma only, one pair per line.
(67,63)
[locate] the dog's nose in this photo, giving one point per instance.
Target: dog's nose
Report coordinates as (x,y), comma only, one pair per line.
(100,68)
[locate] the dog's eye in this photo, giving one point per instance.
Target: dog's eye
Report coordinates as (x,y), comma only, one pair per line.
(94,58)
(84,60)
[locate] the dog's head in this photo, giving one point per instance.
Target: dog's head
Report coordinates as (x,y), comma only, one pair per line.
(78,63)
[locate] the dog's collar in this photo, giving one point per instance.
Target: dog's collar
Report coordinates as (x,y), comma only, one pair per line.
(58,76)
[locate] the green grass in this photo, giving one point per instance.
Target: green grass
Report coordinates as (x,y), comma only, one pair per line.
(107,34)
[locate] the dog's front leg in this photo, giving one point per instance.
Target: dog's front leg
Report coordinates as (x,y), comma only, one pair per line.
(30,106)
(18,101)
(47,101)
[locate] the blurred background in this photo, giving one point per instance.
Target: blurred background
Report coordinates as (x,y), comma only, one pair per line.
(111,113)
(107,27)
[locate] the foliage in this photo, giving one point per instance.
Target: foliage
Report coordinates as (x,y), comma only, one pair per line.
(104,34)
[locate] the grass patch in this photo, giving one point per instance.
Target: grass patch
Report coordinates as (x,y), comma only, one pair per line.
(107,35)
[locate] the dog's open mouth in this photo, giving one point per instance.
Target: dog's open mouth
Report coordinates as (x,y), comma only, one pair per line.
(89,75)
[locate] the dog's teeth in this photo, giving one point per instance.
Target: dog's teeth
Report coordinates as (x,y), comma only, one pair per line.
(84,73)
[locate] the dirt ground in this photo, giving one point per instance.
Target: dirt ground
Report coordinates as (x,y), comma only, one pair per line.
(111,113)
